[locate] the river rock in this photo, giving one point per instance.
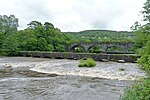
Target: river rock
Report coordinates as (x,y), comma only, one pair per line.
(121,61)
(8,66)
(105,60)
(134,61)
(75,58)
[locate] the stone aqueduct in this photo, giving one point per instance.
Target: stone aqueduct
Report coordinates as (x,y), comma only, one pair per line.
(87,46)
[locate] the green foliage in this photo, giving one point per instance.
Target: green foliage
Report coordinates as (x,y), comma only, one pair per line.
(139,91)
(10,45)
(1,39)
(60,48)
(87,63)
(88,36)
(95,49)
(146,11)
(8,24)
(37,37)
(142,41)
(79,49)
(144,61)
(114,49)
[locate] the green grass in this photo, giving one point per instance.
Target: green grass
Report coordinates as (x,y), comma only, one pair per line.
(89,62)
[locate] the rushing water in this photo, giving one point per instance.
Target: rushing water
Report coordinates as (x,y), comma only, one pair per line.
(24,78)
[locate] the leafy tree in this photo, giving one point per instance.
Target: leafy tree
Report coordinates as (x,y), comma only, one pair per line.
(141,91)
(48,25)
(8,24)
(42,45)
(34,24)
(32,44)
(42,37)
(1,39)
(143,39)
(10,44)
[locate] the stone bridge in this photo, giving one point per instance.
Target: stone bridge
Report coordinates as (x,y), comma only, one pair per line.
(125,46)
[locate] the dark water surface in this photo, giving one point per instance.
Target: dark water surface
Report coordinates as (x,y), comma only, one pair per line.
(20,83)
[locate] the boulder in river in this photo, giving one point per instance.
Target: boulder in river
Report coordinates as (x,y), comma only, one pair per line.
(75,58)
(105,60)
(121,61)
(8,66)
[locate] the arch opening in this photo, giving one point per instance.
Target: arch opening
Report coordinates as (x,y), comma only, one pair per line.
(78,48)
(114,49)
(95,49)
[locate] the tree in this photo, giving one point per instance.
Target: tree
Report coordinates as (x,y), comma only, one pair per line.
(10,44)
(8,24)
(34,24)
(48,25)
(146,11)
(142,42)
(1,39)
(141,91)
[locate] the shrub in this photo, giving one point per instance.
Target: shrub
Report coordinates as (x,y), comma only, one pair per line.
(140,91)
(87,63)
(144,61)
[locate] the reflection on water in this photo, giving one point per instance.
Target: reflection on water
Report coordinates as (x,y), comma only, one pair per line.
(18,82)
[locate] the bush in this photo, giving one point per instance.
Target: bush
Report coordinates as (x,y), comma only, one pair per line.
(87,63)
(144,61)
(140,91)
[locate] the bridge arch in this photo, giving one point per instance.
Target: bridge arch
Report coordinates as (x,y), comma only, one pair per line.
(95,49)
(114,49)
(122,46)
(77,48)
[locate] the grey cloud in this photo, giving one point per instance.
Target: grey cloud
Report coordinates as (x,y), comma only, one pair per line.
(32,10)
(98,16)
(74,15)
(99,24)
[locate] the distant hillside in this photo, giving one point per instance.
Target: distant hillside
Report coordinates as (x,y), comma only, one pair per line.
(102,36)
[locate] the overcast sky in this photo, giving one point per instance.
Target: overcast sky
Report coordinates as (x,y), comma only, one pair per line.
(76,15)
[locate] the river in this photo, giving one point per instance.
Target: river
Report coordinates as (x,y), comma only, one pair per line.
(26,78)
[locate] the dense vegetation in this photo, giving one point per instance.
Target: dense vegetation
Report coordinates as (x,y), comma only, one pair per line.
(36,37)
(45,37)
(141,90)
(102,36)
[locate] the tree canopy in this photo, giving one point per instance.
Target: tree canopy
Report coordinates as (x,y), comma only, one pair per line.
(8,24)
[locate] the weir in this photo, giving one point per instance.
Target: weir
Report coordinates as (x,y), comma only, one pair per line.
(70,55)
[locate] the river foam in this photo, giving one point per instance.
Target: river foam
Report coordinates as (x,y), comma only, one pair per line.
(109,70)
